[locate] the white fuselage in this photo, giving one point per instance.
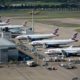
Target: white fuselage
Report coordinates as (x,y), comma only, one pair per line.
(73,50)
(36,36)
(3,23)
(52,42)
(11,26)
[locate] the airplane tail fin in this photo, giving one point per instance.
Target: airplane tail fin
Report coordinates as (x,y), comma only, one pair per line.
(56,32)
(8,20)
(25,24)
(74,37)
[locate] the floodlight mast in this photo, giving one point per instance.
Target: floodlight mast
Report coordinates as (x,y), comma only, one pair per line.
(32,20)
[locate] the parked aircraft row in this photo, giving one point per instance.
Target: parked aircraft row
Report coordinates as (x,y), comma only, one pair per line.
(44,39)
(55,42)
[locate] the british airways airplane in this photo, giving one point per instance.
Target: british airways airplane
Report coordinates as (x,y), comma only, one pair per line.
(65,51)
(13,28)
(4,23)
(55,42)
(33,37)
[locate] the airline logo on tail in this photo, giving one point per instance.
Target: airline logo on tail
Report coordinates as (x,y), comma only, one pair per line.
(74,37)
(56,32)
(8,21)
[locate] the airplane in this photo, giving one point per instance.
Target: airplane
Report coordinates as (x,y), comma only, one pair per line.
(13,28)
(54,42)
(4,23)
(65,51)
(33,37)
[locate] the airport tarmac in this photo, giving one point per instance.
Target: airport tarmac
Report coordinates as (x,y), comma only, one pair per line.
(38,73)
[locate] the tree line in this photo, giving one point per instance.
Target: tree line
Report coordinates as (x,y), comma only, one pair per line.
(42,0)
(8,4)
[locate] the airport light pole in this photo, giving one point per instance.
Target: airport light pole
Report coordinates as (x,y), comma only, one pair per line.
(33,21)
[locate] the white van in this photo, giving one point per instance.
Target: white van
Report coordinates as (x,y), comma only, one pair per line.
(31,63)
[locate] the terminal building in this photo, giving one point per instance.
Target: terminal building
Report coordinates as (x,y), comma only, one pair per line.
(8,51)
(9,33)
